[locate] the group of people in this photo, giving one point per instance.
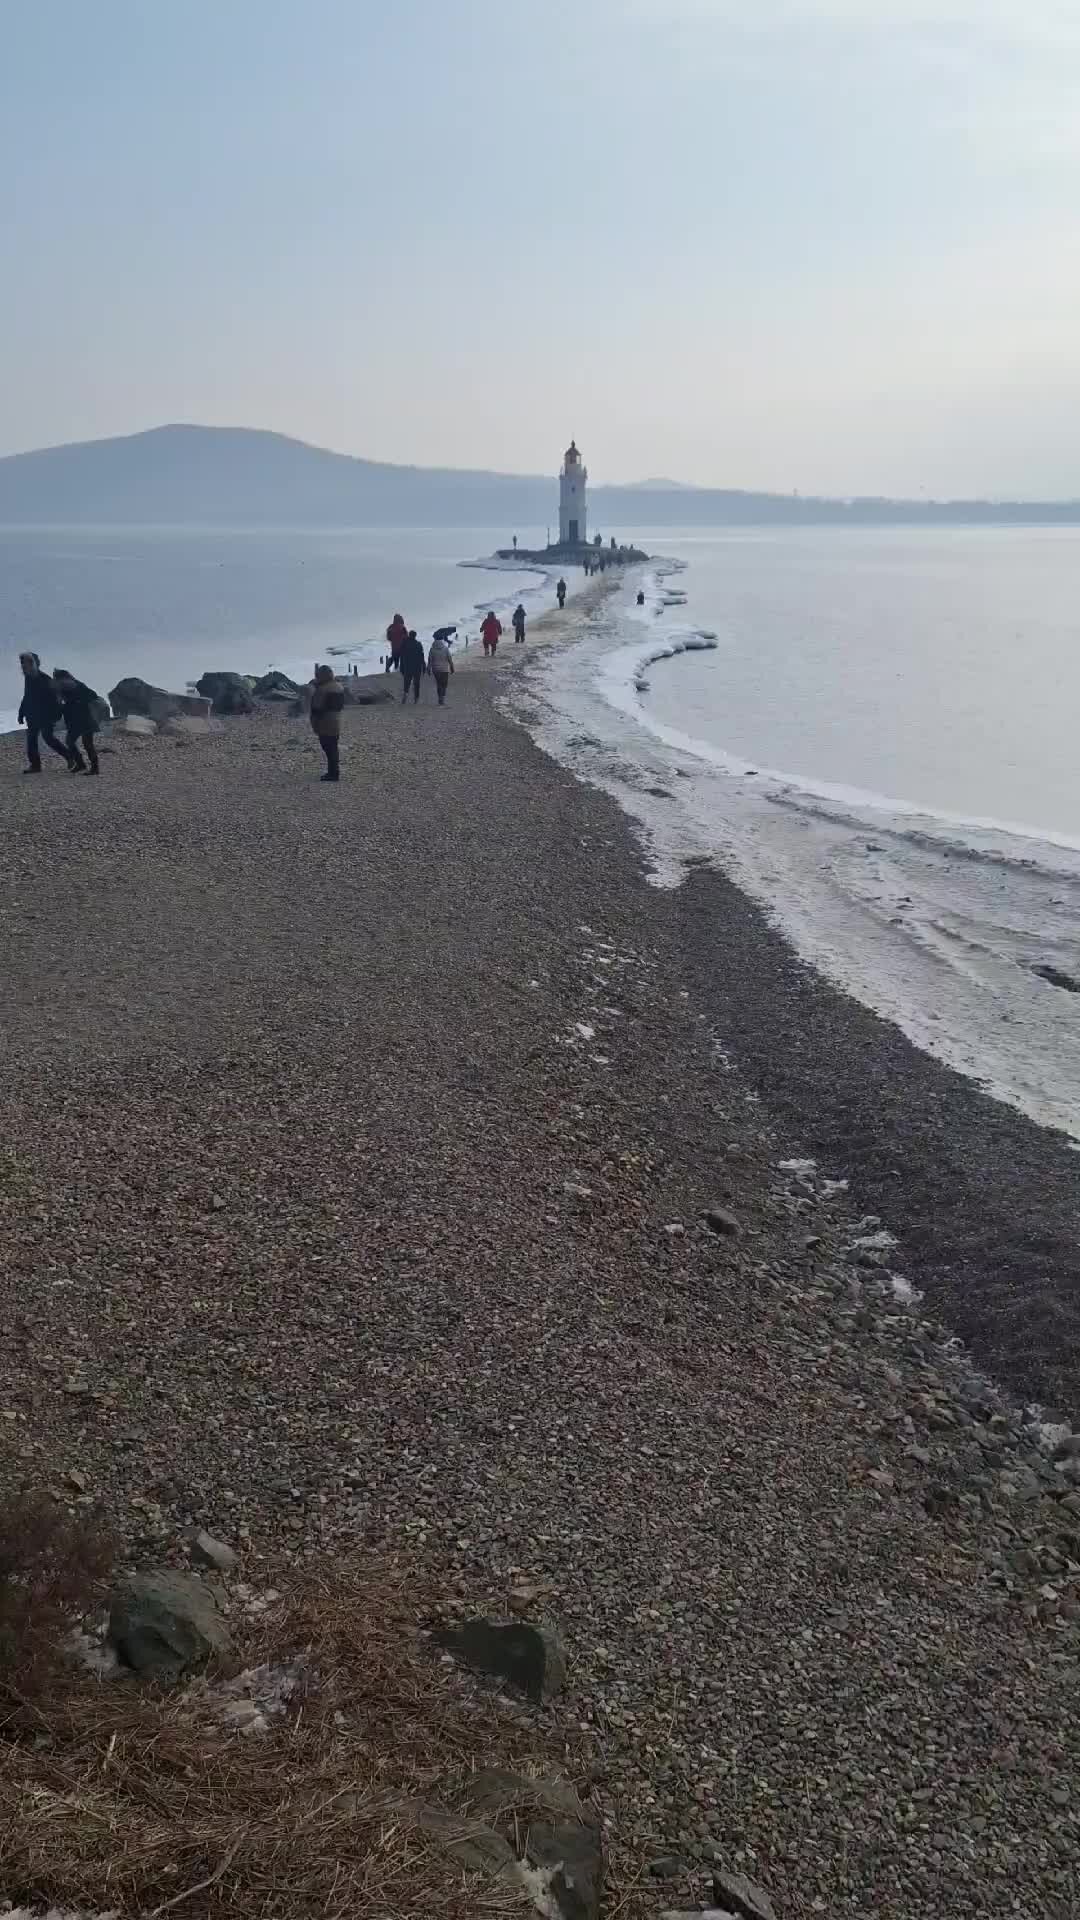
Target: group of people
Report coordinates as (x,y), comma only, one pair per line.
(405,652)
(405,655)
(491,631)
(49,698)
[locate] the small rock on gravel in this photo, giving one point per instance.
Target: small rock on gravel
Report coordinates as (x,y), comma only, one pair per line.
(736,1894)
(164,1623)
(209,1552)
(527,1656)
(567,1863)
(719,1220)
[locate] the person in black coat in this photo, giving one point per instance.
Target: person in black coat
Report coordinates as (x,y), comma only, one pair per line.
(77,702)
(39,711)
(413,666)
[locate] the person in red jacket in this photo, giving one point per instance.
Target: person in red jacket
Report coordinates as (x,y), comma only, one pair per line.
(396,635)
(491,634)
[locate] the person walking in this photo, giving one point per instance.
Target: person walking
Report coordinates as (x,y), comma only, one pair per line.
(77,703)
(491,634)
(39,710)
(560,594)
(519,625)
(413,665)
(397,634)
(440,662)
(327,704)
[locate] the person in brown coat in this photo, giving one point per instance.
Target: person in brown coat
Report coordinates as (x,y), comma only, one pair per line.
(327,701)
(396,635)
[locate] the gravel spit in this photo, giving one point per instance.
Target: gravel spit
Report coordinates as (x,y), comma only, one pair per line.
(349,1133)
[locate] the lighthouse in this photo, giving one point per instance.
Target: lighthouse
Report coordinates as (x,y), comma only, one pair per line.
(572,508)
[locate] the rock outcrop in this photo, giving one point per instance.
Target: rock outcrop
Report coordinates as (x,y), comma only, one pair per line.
(154,703)
(226,692)
(370,689)
(275,686)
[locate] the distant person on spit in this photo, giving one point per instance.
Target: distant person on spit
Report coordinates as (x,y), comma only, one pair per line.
(413,665)
(39,711)
(519,625)
(560,593)
(491,634)
(441,661)
(396,635)
(78,702)
(327,703)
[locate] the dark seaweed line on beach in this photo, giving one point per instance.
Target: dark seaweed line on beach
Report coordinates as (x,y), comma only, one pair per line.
(985,1202)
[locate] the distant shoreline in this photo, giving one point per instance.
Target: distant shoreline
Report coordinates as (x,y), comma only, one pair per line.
(220,478)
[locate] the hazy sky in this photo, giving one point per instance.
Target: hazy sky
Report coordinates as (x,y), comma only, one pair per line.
(825,244)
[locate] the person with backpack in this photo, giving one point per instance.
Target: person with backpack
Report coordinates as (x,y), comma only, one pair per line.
(519,625)
(78,703)
(491,634)
(327,705)
(440,661)
(39,711)
(413,666)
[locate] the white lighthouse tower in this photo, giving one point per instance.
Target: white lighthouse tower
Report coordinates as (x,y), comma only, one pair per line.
(573,513)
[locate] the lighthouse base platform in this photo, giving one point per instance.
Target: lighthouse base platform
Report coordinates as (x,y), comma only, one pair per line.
(564,554)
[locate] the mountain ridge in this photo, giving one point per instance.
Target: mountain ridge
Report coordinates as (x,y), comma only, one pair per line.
(183,473)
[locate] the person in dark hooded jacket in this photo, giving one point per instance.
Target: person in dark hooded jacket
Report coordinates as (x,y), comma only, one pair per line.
(78,702)
(327,706)
(413,666)
(39,711)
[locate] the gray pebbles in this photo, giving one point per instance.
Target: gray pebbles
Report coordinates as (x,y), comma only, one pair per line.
(348,1136)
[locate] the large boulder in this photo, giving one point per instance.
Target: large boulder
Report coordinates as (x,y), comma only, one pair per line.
(370,689)
(154,703)
(226,692)
(275,686)
(164,1623)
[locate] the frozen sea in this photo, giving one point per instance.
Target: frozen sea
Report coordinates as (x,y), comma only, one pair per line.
(873,732)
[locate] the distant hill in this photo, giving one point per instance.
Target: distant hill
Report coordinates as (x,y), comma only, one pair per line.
(238,476)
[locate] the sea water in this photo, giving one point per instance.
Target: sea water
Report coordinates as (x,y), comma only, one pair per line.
(873,734)
(940,669)
(167,604)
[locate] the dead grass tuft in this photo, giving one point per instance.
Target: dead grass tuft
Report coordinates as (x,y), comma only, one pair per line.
(113,1799)
(52,1570)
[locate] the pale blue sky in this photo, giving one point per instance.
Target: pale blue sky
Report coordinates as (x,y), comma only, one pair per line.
(826,244)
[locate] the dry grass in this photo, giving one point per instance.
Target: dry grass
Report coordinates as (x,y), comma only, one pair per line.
(111,1798)
(52,1569)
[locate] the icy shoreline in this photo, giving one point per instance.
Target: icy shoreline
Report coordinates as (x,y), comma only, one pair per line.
(966,934)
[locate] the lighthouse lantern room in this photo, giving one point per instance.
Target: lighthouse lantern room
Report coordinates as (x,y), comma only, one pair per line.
(572,507)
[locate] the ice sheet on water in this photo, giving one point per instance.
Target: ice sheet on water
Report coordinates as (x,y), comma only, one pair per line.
(934,922)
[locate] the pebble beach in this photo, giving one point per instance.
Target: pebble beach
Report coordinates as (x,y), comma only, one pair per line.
(391,1166)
